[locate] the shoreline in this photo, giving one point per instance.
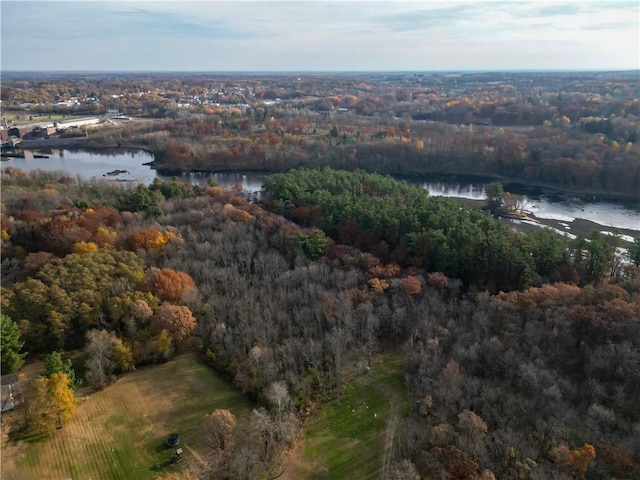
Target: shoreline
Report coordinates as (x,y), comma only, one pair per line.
(520,187)
(517,185)
(577,226)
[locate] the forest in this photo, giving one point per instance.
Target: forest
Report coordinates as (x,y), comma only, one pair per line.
(574,132)
(520,352)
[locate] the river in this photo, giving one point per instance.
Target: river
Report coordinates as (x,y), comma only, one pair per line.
(562,208)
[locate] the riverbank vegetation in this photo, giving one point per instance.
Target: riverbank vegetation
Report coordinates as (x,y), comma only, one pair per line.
(489,372)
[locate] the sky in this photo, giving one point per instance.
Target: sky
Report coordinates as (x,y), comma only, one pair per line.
(309,35)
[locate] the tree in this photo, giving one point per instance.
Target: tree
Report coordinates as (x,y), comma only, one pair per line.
(548,250)
(456,463)
(313,244)
(171,285)
(409,286)
(403,470)
(52,403)
(634,252)
(147,239)
(472,428)
(10,345)
(277,393)
(100,363)
(176,319)
(574,462)
(53,363)
(598,255)
(495,194)
(219,427)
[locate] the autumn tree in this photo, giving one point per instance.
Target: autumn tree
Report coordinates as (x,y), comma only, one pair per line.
(53,363)
(148,239)
(473,429)
(171,285)
(106,356)
(72,296)
(409,286)
(219,427)
(456,463)
(176,319)
(10,345)
(51,403)
(574,462)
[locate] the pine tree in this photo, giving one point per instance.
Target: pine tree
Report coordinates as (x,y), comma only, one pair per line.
(10,345)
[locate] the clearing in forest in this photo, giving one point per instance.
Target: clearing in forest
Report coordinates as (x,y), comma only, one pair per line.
(353,438)
(118,433)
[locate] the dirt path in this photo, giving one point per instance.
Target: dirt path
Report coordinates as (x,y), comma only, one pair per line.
(390,429)
(294,466)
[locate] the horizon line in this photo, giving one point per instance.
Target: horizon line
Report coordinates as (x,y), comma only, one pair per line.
(488,70)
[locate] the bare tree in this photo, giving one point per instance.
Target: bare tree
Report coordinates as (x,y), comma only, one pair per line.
(100,363)
(277,393)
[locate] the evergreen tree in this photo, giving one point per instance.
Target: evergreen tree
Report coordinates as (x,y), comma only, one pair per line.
(10,345)
(53,363)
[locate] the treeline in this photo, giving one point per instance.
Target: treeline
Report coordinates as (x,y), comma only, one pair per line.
(537,383)
(400,223)
(558,155)
(571,132)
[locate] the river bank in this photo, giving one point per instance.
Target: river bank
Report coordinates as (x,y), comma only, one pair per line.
(562,212)
(510,184)
(572,228)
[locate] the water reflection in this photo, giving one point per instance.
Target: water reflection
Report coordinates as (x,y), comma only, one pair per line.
(543,205)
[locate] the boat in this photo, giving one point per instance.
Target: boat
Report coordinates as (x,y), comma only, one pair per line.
(40,155)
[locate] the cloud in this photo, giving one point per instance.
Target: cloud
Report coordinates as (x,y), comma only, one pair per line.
(316,35)
(558,10)
(146,22)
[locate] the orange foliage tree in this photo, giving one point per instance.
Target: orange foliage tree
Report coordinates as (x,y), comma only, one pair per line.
(619,459)
(409,286)
(176,319)
(148,239)
(170,285)
(574,462)
(456,463)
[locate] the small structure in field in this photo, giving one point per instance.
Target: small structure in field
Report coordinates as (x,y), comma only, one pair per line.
(10,392)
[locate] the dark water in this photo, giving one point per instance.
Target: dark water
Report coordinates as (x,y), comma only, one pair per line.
(86,163)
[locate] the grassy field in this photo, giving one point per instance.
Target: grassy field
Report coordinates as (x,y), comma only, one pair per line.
(22,118)
(354,438)
(118,433)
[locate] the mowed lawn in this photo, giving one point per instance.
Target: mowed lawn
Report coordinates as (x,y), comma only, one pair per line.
(118,433)
(354,438)
(24,118)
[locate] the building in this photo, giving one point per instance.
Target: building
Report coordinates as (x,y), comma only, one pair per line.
(82,122)
(20,131)
(10,392)
(42,132)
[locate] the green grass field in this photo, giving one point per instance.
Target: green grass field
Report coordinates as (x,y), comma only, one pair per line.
(354,438)
(22,118)
(118,433)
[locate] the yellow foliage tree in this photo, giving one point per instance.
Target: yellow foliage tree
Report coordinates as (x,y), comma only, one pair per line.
(378,285)
(52,403)
(84,247)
